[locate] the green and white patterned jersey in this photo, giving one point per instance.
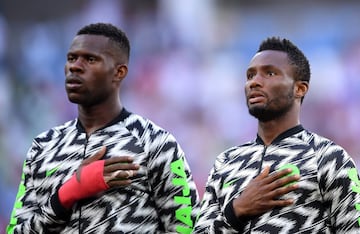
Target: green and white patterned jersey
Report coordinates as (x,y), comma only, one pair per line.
(161,199)
(327,200)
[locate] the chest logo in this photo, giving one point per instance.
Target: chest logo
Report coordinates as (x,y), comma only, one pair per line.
(51,171)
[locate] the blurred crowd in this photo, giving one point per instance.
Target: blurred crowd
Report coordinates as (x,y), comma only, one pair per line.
(186,73)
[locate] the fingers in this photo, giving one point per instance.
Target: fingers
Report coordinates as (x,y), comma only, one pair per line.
(264,173)
(278,178)
(120,167)
(98,155)
(130,173)
(120,163)
(122,174)
(266,191)
(278,174)
(275,176)
(118,183)
(284,190)
(119,177)
(281,187)
(117,170)
(119,159)
(277,184)
(281,178)
(286,181)
(280,203)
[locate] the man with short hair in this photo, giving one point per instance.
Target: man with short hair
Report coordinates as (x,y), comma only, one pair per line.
(288,180)
(108,170)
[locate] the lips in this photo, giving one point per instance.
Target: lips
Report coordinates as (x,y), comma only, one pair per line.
(73,83)
(255,97)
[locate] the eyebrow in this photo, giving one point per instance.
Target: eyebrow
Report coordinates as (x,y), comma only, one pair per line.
(268,66)
(83,54)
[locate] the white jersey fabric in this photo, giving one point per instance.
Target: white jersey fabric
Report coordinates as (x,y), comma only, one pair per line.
(325,201)
(161,199)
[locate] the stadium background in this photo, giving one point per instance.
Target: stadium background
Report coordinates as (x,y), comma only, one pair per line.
(187,70)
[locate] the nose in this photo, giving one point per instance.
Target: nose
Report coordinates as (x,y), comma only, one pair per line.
(255,81)
(75,66)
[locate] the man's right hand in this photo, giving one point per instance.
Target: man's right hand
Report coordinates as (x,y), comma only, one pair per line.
(95,175)
(262,193)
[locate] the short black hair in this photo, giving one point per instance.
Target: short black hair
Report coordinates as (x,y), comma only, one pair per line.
(295,55)
(110,31)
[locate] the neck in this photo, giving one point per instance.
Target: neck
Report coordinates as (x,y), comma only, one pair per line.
(269,130)
(98,116)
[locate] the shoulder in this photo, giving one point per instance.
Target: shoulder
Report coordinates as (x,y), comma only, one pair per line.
(320,143)
(145,129)
(138,122)
(237,154)
(50,137)
(56,132)
(327,151)
(314,139)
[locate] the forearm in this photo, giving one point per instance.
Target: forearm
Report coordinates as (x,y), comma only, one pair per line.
(234,221)
(176,196)
(29,215)
(35,219)
(346,211)
(212,220)
(213,215)
(345,183)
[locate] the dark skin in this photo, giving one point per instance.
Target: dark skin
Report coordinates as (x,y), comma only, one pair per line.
(271,88)
(94,71)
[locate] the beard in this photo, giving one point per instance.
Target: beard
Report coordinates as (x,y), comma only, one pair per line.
(273,109)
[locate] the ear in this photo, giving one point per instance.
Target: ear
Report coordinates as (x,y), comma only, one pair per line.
(301,88)
(121,71)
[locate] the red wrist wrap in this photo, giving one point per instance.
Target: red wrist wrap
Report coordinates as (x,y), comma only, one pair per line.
(91,182)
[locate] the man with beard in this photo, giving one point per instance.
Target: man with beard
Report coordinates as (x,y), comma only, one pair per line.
(288,180)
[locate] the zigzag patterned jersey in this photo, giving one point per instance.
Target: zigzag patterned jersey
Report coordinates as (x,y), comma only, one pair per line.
(325,201)
(161,198)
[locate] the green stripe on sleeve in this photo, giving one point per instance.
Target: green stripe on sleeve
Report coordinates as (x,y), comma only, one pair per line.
(18,204)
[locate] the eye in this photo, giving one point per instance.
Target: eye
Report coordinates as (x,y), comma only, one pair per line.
(71,58)
(250,75)
(91,59)
(270,73)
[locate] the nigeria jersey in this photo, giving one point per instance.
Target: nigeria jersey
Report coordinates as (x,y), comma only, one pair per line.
(327,200)
(162,197)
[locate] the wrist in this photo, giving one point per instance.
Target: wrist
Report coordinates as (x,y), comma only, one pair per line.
(234,221)
(60,211)
(238,209)
(90,183)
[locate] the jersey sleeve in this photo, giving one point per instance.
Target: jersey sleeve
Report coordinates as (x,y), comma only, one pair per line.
(211,218)
(28,216)
(340,186)
(174,189)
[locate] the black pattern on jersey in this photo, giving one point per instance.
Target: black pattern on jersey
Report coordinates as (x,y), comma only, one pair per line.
(324,198)
(146,206)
